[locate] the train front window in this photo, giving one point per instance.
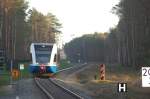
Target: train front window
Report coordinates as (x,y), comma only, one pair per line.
(43,53)
(42,58)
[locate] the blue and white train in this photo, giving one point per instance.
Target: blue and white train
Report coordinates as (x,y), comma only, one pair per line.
(44,58)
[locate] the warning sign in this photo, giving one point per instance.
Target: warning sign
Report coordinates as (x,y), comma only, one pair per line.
(145,76)
(21,66)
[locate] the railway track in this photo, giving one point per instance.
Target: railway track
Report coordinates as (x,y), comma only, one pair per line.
(72,69)
(55,91)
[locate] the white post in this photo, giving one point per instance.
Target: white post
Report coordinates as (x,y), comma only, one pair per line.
(11,67)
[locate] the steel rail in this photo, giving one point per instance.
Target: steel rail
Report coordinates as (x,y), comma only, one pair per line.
(71,67)
(39,83)
(43,89)
(67,90)
(53,90)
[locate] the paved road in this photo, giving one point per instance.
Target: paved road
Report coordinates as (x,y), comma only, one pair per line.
(24,89)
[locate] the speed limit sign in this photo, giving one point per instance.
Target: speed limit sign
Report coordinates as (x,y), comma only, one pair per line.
(145,76)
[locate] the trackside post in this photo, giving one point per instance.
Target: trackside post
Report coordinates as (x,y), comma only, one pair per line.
(102,71)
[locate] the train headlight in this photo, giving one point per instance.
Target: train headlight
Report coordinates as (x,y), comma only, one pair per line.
(42,67)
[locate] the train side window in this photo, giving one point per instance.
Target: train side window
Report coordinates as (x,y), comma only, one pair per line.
(55,58)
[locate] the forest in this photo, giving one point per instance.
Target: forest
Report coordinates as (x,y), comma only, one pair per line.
(126,44)
(21,25)
(86,48)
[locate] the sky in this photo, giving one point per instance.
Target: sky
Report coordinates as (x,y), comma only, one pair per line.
(79,17)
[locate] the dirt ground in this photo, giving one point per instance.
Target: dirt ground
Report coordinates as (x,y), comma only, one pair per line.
(87,80)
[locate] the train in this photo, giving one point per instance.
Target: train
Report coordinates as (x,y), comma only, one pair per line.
(44,59)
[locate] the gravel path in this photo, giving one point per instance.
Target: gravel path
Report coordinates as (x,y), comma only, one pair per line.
(73,88)
(67,78)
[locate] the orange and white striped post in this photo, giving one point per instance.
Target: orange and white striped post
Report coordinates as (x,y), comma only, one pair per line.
(102,72)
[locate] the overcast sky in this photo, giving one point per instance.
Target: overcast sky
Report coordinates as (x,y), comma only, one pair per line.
(79,16)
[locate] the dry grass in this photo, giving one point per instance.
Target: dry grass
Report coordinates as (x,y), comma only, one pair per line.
(108,89)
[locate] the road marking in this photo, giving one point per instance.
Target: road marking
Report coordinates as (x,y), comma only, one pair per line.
(17,97)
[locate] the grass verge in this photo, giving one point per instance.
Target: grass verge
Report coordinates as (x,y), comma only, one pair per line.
(64,64)
(4,79)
